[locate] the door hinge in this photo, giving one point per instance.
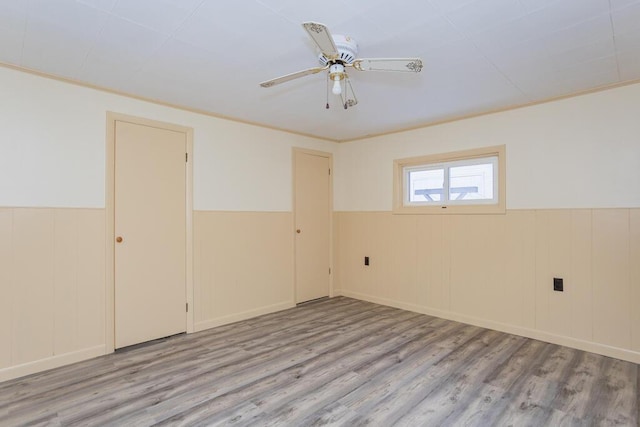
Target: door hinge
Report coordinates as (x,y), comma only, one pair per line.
(329,270)
(186,157)
(187,307)
(329,171)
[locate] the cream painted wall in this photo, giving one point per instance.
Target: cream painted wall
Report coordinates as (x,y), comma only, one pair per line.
(52,149)
(580,152)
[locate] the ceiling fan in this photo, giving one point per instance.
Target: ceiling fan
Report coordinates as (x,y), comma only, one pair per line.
(337,53)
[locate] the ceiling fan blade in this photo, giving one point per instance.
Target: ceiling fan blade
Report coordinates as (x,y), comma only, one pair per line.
(388,64)
(321,36)
(292,76)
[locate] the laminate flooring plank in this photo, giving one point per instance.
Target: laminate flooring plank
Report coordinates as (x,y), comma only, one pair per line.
(333,415)
(583,381)
(521,363)
(489,402)
(335,361)
(616,397)
(532,395)
(503,383)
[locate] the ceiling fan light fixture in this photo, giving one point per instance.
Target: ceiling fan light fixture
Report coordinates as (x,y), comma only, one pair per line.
(337,89)
(336,73)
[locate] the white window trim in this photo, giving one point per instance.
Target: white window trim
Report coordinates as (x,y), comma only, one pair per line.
(401,168)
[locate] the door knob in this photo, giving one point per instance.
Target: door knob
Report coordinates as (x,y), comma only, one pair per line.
(119,239)
(298,231)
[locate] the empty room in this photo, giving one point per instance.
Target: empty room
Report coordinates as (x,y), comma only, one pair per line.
(339,212)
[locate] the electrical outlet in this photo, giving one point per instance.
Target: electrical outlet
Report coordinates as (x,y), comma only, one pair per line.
(558,284)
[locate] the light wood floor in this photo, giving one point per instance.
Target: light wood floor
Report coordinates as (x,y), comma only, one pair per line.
(334,362)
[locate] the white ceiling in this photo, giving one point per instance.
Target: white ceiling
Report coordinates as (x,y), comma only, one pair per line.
(210,55)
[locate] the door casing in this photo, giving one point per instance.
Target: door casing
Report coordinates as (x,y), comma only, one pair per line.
(112,118)
(329,156)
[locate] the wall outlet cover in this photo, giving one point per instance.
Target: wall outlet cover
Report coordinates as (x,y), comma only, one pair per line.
(558,284)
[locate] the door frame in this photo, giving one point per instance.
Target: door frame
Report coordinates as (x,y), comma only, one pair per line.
(110,236)
(329,156)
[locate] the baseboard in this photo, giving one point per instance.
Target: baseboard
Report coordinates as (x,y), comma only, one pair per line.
(603,349)
(236,317)
(40,365)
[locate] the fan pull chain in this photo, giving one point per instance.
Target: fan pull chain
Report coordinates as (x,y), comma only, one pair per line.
(327,107)
(345,94)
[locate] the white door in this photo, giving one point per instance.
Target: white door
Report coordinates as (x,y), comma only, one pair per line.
(312,182)
(150,229)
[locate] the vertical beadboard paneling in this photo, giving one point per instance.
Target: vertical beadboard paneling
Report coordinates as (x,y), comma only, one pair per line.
(470,289)
(634,234)
(528,271)
(230,268)
(91,277)
(404,242)
(519,263)
(446,261)
(559,263)
(500,302)
(516,261)
(65,275)
(380,240)
(269,247)
(226,241)
(52,281)
(243,264)
(553,259)
(368,240)
(199,229)
(6,286)
(430,277)
(353,230)
(541,300)
(344,264)
(33,263)
(335,250)
(611,286)
(581,290)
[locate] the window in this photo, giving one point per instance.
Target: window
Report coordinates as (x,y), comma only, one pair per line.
(461,182)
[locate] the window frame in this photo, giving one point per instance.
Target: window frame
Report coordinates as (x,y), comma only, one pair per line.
(402,167)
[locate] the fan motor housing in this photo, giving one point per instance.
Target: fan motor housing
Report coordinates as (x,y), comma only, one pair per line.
(347,50)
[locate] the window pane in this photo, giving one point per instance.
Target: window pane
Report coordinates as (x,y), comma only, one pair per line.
(426,185)
(471,182)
